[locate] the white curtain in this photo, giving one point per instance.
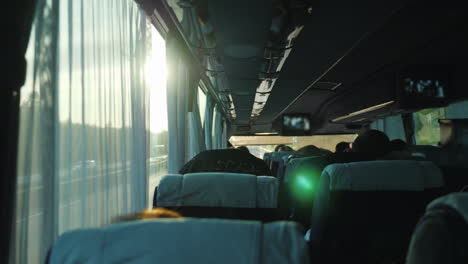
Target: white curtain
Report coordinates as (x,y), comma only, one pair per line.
(224,139)
(217,130)
(182,86)
(208,124)
(457,110)
(195,133)
(83,123)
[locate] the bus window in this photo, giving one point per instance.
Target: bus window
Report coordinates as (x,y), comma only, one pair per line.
(259,145)
(156,72)
(426,126)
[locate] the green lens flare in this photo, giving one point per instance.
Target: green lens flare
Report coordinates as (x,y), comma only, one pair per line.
(304,184)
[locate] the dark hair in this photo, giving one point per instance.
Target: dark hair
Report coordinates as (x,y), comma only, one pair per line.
(283,147)
(243,148)
(397,145)
(149,214)
(372,142)
(310,150)
(341,147)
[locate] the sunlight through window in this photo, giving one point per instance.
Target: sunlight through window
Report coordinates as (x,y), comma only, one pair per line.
(156,75)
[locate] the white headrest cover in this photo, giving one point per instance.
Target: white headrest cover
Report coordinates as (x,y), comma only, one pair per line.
(177,241)
(218,190)
(389,175)
(457,201)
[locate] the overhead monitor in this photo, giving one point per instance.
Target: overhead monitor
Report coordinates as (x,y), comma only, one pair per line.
(295,125)
(423,86)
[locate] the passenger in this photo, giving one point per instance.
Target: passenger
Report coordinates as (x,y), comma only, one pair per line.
(373,143)
(309,151)
(149,214)
(342,147)
(283,147)
(226,160)
(243,148)
(398,145)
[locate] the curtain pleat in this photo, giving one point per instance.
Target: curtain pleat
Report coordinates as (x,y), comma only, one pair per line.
(457,110)
(196,132)
(208,125)
(217,130)
(185,137)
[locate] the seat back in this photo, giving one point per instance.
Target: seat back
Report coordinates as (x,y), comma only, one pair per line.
(441,235)
(276,159)
(364,212)
(219,195)
(177,241)
(267,158)
(282,167)
(453,162)
(297,187)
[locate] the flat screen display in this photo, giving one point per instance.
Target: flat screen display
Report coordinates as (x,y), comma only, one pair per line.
(424,86)
(296,124)
(434,88)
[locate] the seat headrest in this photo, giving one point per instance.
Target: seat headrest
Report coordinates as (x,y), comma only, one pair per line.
(388,175)
(277,156)
(456,201)
(176,241)
(266,155)
(218,190)
(298,164)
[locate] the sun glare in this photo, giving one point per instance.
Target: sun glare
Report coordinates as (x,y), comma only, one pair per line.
(156,75)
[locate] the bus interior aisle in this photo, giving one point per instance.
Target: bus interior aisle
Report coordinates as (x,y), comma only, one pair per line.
(247,131)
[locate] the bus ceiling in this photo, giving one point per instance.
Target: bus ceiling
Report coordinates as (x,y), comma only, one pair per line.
(343,63)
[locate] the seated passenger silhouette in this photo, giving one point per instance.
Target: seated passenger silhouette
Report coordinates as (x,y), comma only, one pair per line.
(243,148)
(283,147)
(342,147)
(373,143)
(226,160)
(369,145)
(398,145)
(309,151)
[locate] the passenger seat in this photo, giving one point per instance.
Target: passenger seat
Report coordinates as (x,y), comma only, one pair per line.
(267,158)
(365,212)
(441,235)
(180,241)
(296,198)
(219,195)
(277,159)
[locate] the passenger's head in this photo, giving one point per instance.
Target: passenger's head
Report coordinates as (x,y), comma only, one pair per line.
(155,213)
(372,142)
(283,147)
(341,147)
(398,145)
(310,150)
(243,148)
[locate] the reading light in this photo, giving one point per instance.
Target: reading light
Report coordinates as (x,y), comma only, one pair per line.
(362,111)
(266,134)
